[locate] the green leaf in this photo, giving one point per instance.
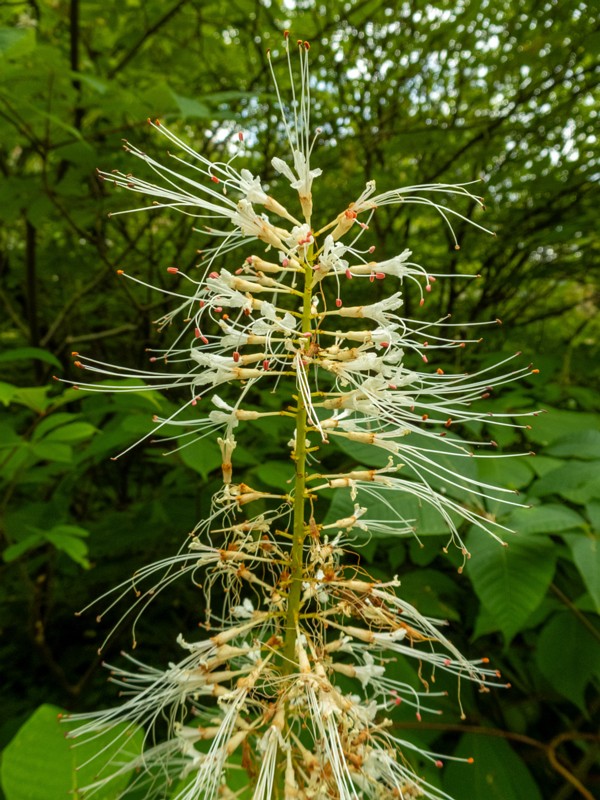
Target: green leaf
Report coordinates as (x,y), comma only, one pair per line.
(577,481)
(556,424)
(67,538)
(568,656)
(75,432)
(34,397)
(7,393)
(16,42)
(28,353)
(41,764)
(586,555)
(275,474)
(203,456)
(52,451)
(547,518)
(191,108)
(582,444)
(497,772)
(510,581)
(16,550)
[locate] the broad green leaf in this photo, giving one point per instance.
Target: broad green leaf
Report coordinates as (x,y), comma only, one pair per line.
(497,772)
(70,544)
(548,518)
(577,481)
(28,353)
(586,555)
(510,581)
(52,451)
(16,550)
(191,108)
(50,422)
(568,656)
(74,432)
(204,456)
(557,423)
(41,764)
(582,444)
(276,474)
(35,398)
(7,393)
(16,42)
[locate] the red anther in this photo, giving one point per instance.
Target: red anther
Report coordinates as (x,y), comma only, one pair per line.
(214,179)
(218,309)
(418,716)
(439,764)
(461,344)
(246,312)
(225,316)
(74,353)
(447,662)
(250,260)
(197,333)
(457,247)
(201,303)
(498,321)
(535,372)
(518,353)
(152,359)
(493,443)
(380,275)
(173,270)
(348,274)
(384,344)
(338,303)
(428,287)
(485,660)
(120,272)
(425,417)
(425,344)
(78,364)
(397,701)
(364,226)
(239,271)
(439,371)
(285,262)
(235,356)
(307,45)
(149,121)
(194,402)
(425,359)
(448,422)
(422,302)
(372,277)
(286,34)
(392,385)
(241,136)
(350,214)
(371,249)
(470,760)
(213,275)
(266,364)
(157,121)
(485,395)
(203,339)
(55,378)
(154,418)
(431,279)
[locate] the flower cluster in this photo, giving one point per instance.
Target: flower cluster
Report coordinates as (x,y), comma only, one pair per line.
(291,693)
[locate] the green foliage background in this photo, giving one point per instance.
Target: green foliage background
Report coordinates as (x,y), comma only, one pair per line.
(409,92)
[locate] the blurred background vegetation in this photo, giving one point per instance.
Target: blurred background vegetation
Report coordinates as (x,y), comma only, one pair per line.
(406,93)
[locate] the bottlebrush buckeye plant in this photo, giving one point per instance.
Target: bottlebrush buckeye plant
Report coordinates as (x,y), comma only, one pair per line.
(289,692)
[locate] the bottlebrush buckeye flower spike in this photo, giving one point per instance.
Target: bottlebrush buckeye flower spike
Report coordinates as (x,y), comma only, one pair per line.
(292,692)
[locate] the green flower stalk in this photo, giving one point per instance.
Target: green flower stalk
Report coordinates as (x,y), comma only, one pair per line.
(290,693)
